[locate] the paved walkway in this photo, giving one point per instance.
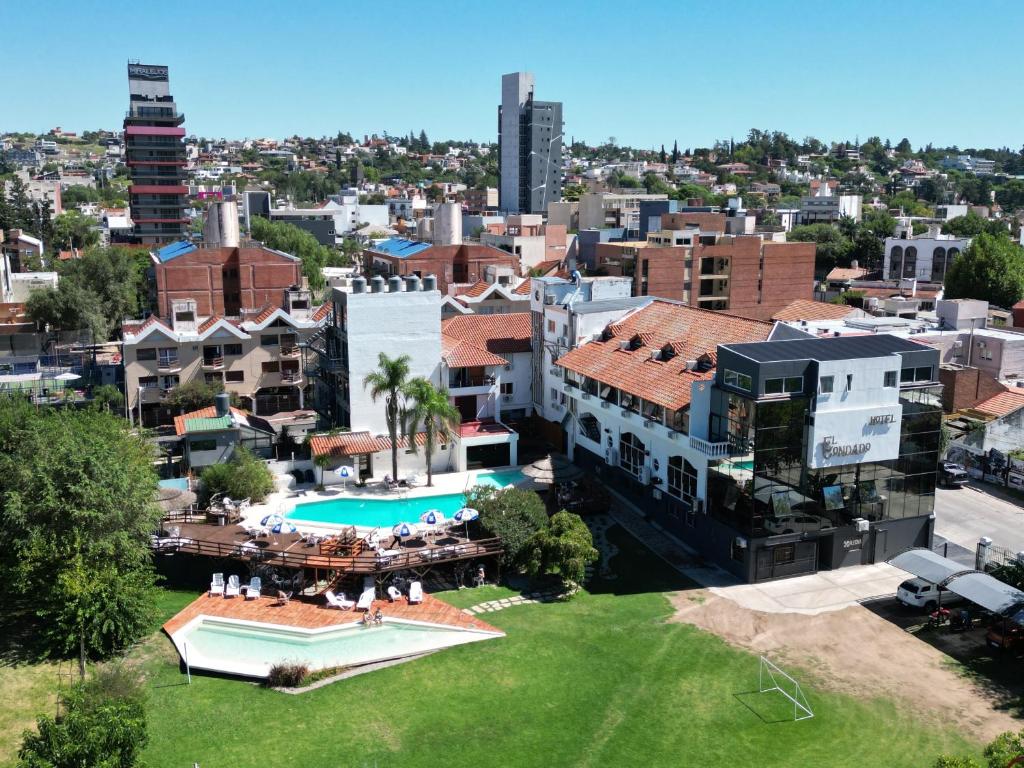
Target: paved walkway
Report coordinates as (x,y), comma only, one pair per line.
(812,594)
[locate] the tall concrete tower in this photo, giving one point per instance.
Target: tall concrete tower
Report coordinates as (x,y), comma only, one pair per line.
(530,147)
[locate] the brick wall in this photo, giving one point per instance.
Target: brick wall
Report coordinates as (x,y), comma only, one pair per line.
(966,387)
(708,222)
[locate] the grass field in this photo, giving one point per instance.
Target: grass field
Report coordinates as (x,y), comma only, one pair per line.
(601,680)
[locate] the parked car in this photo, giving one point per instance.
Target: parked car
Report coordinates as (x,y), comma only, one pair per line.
(918,593)
(1005,635)
(797,523)
(952,475)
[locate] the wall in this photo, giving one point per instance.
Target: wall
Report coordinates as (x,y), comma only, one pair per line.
(964,387)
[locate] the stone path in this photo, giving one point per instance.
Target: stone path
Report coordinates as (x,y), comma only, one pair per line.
(528,598)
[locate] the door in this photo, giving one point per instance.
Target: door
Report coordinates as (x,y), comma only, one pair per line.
(467,407)
(881,544)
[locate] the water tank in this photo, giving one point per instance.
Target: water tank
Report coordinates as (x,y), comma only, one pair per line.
(358,285)
(394,284)
(221,224)
(429,283)
(377,284)
(424,228)
(448,224)
(412,283)
(222,402)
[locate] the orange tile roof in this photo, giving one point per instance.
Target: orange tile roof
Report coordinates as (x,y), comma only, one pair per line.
(322,312)
(690,332)
(356,443)
(1001,404)
(135,329)
(523,289)
(209,412)
(499,334)
(804,309)
(846,273)
(463,354)
(546,267)
(476,289)
(264,315)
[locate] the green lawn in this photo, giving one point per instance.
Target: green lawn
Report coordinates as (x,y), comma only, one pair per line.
(601,680)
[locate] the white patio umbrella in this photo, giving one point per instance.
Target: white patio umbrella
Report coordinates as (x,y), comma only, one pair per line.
(346,473)
(406,530)
(464,515)
(433,518)
(67,377)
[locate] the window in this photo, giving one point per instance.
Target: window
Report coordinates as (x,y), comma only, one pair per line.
(825,384)
(272,367)
(788,385)
(232,350)
(235,376)
(849,382)
(590,427)
(738,380)
(551,326)
(784,555)
(145,354)
(682,479)
(213,378)
(911,375)
(147,381)
(269,341)
(890,379)
(203,445)
(631,454)
(507,389)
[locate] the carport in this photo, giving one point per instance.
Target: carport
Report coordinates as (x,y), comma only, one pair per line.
(980,588)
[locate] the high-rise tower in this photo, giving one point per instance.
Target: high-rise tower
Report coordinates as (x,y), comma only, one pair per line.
(529,146)
(155,155)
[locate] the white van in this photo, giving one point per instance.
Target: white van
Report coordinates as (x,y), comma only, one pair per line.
(918,593)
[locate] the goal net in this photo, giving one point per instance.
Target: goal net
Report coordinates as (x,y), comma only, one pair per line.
(771,678)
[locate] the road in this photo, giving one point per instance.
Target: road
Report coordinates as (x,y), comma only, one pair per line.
(964,515)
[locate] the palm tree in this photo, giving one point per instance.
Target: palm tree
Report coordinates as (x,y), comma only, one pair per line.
(432,409)
(390,381)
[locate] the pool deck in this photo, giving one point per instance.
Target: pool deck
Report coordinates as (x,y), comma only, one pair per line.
(314,615)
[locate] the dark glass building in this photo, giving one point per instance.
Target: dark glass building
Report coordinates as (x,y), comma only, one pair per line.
(155,155)
(830,450)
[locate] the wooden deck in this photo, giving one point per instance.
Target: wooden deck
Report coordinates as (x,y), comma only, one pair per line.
(310,614)
(343,556)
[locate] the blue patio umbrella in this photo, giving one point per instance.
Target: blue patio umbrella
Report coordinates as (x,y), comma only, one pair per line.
(405,530)
(464,515)
(277,524)
(432,517)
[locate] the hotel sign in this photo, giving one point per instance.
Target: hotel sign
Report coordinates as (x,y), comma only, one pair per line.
(886,418)
(147,72)
(830,448)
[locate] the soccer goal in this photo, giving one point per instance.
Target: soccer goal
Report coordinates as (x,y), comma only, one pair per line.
(771,678)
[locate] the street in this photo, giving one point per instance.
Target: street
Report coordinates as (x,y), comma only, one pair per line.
(964,515)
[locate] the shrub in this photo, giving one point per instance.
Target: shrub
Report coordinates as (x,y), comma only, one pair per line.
(565,546)
(513,514)
(243,476)
(287,674)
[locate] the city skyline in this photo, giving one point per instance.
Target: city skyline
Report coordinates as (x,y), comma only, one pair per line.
(444,75)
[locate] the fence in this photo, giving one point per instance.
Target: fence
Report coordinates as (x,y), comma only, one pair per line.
(989,556)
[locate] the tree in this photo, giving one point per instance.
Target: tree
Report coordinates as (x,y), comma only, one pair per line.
(675,152)
(971,225)
(999,753)
(1011,195)
(103,724)
(107,397)
(72,229)
(430,408)
(286,237)
(193,395)
(390,381)
(511,513)
(992,268)
(243,476)
(77,505)
(662,157)
(565,546)
(833,247)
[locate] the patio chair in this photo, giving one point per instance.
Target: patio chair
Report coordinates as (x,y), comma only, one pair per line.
(252,592)
(415,593)
(217,584)
(338,601)
(283,597)
(366,599)
(232,589)
(393,593)
(388,483)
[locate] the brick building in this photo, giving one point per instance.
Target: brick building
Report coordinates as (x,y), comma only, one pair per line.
(466,263)
(223,280)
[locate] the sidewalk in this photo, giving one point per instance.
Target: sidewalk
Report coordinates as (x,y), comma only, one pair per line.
(813,594)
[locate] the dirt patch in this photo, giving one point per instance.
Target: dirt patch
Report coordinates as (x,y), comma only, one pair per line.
(857,652)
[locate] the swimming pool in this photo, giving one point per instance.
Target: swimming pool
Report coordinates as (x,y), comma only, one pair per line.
(251,649)
(385,513)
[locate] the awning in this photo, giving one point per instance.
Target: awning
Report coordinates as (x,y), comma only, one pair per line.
(927,565)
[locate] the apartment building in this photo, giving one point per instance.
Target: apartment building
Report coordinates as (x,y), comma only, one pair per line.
(925,258)
(529,147)
(531,240)
(599,210)
(257,358)
(465,263)
(224,280)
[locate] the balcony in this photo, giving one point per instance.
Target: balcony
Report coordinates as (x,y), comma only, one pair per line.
(461,382)
(709,449)
(290,350)
(168,365)
(213,363)
(291,377)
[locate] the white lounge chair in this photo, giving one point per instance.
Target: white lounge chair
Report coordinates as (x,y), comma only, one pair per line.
(232,589)
(338,601)
(394,593)
(366,599)
(252,592)
(217,584)
(415,593)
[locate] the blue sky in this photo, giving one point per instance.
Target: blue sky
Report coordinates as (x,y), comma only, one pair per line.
(644,72)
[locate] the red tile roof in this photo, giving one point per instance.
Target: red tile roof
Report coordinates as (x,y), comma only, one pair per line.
(500,334)
(1002,404)
(523,289)
(134,329)
(689,332)
(476,289)
(847,273)
(356,443)
(804,309)
(264,315)
(210,412)
(323,311)
(463,354)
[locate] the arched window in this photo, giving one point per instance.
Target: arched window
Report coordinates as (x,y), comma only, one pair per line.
(938,264)
(590,427)
(910,262)
(631,454)
(896,262)
(682,478)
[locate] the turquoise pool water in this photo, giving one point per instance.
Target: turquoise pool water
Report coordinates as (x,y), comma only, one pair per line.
(748,465)
(240,649)
(385,513)
(178,483)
